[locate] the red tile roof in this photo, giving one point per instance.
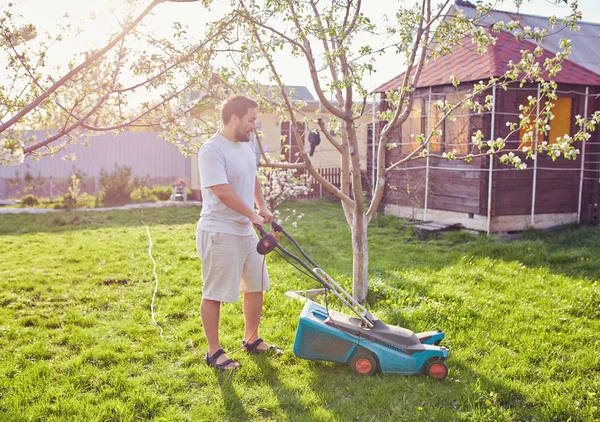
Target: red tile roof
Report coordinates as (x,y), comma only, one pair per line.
(468,66)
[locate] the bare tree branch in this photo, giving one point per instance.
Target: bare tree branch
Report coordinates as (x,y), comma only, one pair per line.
(330,138)
(334,75)
(313,68)
(381,170)
(86,63)
(28,150)
(350,27)
(182,59)
(307,163)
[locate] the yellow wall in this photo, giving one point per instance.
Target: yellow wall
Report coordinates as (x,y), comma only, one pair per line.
(325,154)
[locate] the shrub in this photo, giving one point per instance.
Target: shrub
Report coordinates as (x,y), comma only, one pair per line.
(68,201)
(29,201)
(142,194)
(70,198)
(86,200)
(162,192)
(280,185)
(117,185)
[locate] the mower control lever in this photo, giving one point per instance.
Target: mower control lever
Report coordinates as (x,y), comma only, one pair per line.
(266,244)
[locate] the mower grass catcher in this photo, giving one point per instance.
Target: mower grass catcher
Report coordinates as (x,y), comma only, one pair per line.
(364,342)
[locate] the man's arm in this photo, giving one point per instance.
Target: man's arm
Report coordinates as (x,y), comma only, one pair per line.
(231,199)
(259,200)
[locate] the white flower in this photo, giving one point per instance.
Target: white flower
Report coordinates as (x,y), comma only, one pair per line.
(11,156)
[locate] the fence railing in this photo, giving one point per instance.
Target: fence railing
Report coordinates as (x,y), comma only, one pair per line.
(332,174)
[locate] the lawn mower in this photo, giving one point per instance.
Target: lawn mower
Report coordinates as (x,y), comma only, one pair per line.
(364,342)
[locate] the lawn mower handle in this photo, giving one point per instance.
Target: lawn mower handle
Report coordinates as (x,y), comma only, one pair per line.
(269,242)
(279,229)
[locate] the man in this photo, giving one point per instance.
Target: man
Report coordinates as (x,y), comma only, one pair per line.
(225,238)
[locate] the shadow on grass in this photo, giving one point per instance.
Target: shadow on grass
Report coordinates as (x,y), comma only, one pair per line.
(570,250)
(234,408)
(289,401)
(387,397)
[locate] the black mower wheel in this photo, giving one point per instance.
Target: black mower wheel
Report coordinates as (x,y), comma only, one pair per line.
(364,362)
(436,369)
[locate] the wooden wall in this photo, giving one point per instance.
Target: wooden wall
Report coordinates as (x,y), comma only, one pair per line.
(453,185)
(461,187)
(590,209)
(557,182)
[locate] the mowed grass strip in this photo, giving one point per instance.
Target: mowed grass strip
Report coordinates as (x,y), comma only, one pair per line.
(77,340)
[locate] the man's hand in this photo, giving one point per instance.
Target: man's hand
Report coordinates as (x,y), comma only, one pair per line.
(266,214)
(257,219)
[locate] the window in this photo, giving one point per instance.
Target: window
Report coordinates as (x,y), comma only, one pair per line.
(434,114)
(559,126)
(457,135)
(411,128)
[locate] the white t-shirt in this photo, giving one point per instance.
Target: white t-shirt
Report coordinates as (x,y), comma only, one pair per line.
(234,163)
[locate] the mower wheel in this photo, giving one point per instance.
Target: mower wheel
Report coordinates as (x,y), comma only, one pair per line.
(364,362)
(437,369)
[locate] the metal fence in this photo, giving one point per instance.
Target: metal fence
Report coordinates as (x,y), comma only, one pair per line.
(145,153)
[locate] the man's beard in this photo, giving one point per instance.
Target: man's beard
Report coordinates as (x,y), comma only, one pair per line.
(242,137)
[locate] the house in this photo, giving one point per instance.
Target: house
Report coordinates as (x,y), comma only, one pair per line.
(485,194)
(277,138)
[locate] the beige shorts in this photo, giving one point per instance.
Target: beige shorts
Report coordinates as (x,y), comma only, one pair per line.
(230,265)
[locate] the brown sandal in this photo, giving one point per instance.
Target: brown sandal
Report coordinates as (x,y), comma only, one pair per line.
(253,348)
(223,366)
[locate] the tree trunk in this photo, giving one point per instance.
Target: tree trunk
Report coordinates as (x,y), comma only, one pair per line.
(360,255)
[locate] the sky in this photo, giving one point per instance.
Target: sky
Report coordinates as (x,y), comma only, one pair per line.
(46,16)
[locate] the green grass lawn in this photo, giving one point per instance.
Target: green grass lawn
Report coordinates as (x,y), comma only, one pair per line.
(77,340)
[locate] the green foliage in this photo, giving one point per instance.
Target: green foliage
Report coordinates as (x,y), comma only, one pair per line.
(29,201)
(161,192)
(69,199)
(521,322)
(85,200)
(118,185)
(142,194)
(32,184)
(387,221)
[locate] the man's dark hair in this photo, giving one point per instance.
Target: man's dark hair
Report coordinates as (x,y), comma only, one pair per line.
(237,105)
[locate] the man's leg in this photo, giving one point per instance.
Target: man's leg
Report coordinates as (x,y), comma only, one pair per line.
(210,312)
(255,280)
(253,303)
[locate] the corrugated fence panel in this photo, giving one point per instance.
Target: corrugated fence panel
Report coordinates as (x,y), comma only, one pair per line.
(144,152)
